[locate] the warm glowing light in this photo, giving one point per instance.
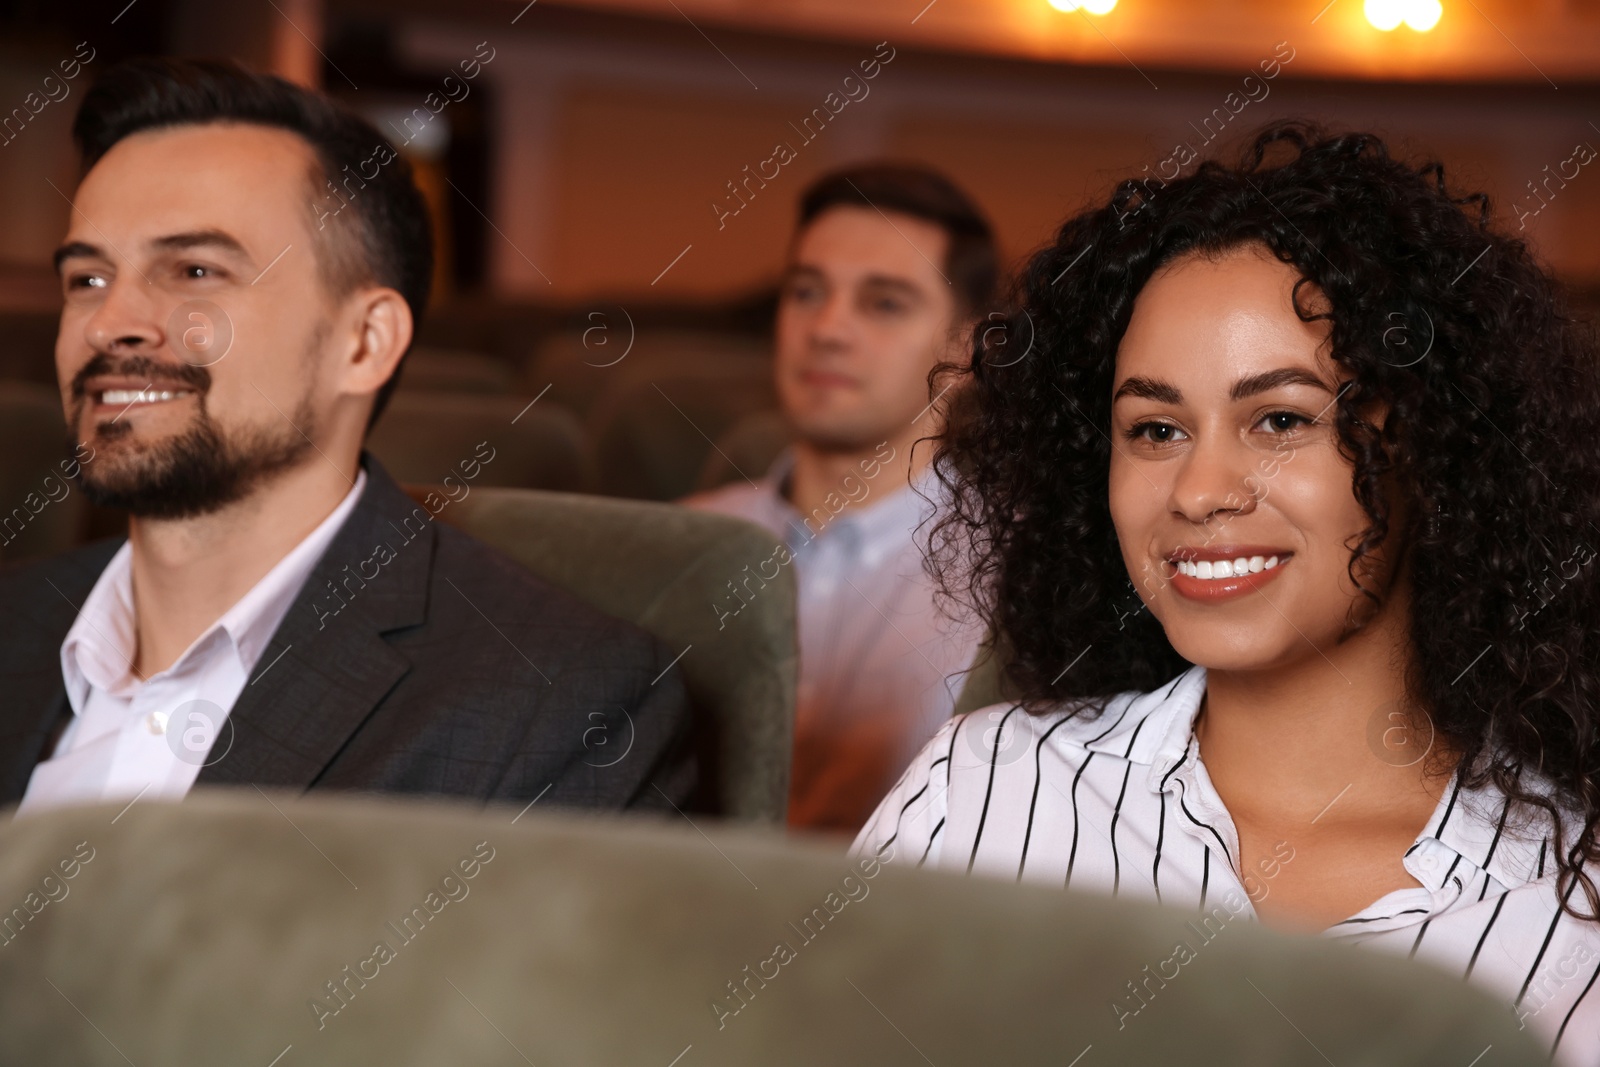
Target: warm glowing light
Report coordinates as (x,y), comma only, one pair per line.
(1386,14)
(1093,7)
(1420,15)
(1423,15)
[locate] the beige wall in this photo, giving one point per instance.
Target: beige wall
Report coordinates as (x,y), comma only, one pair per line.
(37,166)
(612,150)
(638,173)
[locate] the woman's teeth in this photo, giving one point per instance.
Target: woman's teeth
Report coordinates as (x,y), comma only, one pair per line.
(1224,568)
(140,396)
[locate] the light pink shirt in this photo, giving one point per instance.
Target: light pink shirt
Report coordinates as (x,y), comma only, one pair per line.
(132,738)
(881,665)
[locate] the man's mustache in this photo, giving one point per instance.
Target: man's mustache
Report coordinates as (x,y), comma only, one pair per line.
(196,378)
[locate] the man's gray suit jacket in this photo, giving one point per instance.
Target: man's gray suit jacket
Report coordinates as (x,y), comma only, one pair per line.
(414,660)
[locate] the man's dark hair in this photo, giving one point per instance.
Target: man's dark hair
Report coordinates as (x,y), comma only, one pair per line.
(379,235)
(971,263)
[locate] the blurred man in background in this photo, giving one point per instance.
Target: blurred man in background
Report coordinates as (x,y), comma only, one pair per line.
(281,613)
(888,272)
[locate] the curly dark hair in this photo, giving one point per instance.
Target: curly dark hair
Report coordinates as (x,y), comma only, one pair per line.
(1494,399)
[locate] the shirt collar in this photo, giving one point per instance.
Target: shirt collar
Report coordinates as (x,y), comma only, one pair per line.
(1478,825)
(879,522)
(1510,842)
(99,647)
(1153,728)
(98,650)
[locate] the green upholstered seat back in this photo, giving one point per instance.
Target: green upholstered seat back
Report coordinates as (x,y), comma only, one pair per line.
(668,570)
(748,449)
(652,437)
(427,436)
(984,684)
(349,931)
(582,367)
(451,370)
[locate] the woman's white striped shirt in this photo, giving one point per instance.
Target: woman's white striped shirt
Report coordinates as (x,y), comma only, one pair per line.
(1121,803)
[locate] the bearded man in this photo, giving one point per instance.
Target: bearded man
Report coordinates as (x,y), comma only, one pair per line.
(243,268)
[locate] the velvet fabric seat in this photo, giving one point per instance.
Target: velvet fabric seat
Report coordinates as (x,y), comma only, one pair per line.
(428,436)
(452,370)
(703,584)
(747,449)
(248,928)
(652,438)
(584,367)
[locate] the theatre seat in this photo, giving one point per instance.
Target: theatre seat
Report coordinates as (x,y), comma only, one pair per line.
(453,370)
(427,436)
(671,571)
(41,509)
(246,929)
(746,450)
(652,438)
(582,367)
(983,685)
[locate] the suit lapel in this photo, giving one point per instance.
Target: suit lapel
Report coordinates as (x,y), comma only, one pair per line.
(32,694)
(328,667)
(35,703)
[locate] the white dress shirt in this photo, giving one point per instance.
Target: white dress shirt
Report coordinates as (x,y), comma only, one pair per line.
(1122,803)
(880,664)
(149,738)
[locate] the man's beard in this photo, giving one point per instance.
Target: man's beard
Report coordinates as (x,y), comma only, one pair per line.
(197,472)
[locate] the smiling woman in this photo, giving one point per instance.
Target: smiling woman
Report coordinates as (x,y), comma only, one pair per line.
(1263,573)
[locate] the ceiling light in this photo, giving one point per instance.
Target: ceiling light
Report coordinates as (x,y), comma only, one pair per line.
(1386,14)
(1420,15)
(1093,7)
(1423,15)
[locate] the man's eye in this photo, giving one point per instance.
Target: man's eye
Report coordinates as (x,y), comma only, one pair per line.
(195,270)
(86,281)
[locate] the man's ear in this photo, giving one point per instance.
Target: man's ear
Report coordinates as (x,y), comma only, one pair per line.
(380,333)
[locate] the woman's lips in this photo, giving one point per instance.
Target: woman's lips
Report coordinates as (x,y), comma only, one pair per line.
(1253,576)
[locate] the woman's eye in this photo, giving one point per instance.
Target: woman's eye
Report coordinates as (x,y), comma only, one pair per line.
(1283,421)
(1159,433)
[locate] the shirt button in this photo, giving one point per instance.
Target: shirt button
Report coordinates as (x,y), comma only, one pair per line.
(156,722)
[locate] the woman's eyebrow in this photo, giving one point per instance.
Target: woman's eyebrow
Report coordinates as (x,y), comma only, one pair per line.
(1252,384)
(1149,388)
